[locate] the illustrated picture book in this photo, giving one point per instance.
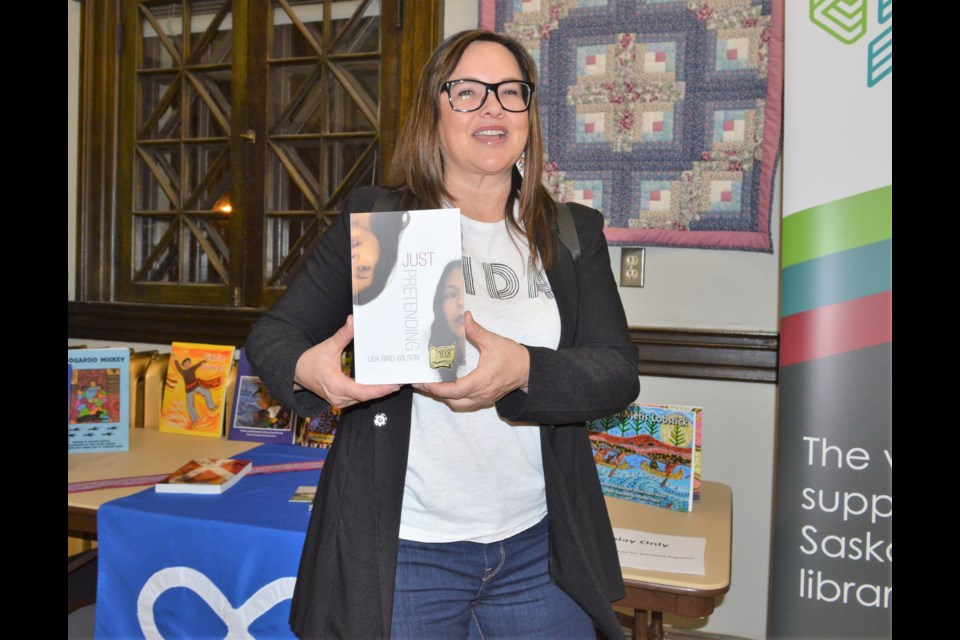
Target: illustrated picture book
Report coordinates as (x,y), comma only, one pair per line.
(205,476)
(99,411)
(257,416)
(318,430)
(649,453)
(195,387)
(407,279)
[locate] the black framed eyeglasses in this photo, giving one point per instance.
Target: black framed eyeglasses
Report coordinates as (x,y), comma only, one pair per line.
(469,95)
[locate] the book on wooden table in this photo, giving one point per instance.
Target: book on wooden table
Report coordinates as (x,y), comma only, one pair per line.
(648,453)
(99,415)
(195,389)
(257,416)
(407,281)
(205,476)
(695,414)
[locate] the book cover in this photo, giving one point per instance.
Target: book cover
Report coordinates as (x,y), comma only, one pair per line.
(698,433)
(257,416)
(205,476)
(648,453)
(304,493)
(317,431)
(195,389)
(99,415)
(407,279)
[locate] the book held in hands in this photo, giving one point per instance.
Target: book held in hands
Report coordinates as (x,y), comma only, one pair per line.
(205,476)
(649,453)
(99,412)
(407,278)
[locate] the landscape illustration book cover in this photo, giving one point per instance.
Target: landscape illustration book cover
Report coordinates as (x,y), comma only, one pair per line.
(649,453)
(205,476)
(407,278)
(257,416)
(195,387)
(99,411)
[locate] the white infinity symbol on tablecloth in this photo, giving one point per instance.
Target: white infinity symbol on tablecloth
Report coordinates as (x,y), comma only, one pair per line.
(237,620)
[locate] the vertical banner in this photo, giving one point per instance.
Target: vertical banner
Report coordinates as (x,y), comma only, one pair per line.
(832,562)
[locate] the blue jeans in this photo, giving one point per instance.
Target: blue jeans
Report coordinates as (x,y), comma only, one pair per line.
(473,590)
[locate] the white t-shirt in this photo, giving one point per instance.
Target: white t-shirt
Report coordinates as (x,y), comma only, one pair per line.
(473,475)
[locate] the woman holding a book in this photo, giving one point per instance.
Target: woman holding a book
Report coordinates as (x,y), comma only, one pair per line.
(470,507)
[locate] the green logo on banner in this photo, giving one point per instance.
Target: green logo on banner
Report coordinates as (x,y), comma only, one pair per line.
(845,20)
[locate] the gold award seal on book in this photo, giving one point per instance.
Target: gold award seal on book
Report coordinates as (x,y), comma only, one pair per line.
(443,356)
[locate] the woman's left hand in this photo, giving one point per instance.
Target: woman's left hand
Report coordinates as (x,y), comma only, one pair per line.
(504,366)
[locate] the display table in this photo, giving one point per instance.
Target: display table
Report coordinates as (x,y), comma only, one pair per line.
(652,593)
(174,565)
(151,452)
(192,566)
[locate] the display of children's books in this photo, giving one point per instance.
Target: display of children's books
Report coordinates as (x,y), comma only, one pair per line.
(407,283)
(257,416)
(195,389)
(649,453)
(205,476)
(99,415)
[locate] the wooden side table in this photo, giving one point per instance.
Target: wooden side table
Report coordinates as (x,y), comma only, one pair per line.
(652,593)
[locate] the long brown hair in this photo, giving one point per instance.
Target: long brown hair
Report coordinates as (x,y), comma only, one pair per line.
(418,165)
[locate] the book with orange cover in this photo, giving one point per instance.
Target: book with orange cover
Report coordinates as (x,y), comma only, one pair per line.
(195,389)
(205,476)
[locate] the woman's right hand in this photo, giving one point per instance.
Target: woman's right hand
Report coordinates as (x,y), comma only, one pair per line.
(319,371)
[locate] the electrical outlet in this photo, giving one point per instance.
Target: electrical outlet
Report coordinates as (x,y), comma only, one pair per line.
(631,267)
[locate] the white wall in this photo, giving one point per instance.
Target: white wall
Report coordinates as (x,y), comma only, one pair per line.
(684,288)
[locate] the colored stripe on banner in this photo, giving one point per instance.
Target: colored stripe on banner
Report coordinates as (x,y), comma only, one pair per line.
(145,481)
(836,328)
(855,221)
(838,277)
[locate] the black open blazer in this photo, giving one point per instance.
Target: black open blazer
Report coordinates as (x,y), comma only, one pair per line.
(348,565)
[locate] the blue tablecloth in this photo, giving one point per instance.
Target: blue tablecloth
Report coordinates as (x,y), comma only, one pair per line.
(195,566)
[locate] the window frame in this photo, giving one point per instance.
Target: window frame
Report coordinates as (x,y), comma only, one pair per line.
(96,313)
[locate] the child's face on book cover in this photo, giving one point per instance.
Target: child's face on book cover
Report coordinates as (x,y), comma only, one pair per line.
(453,301)
(364,251)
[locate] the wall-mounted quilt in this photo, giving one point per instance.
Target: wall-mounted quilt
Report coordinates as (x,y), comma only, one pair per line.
(664,114)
